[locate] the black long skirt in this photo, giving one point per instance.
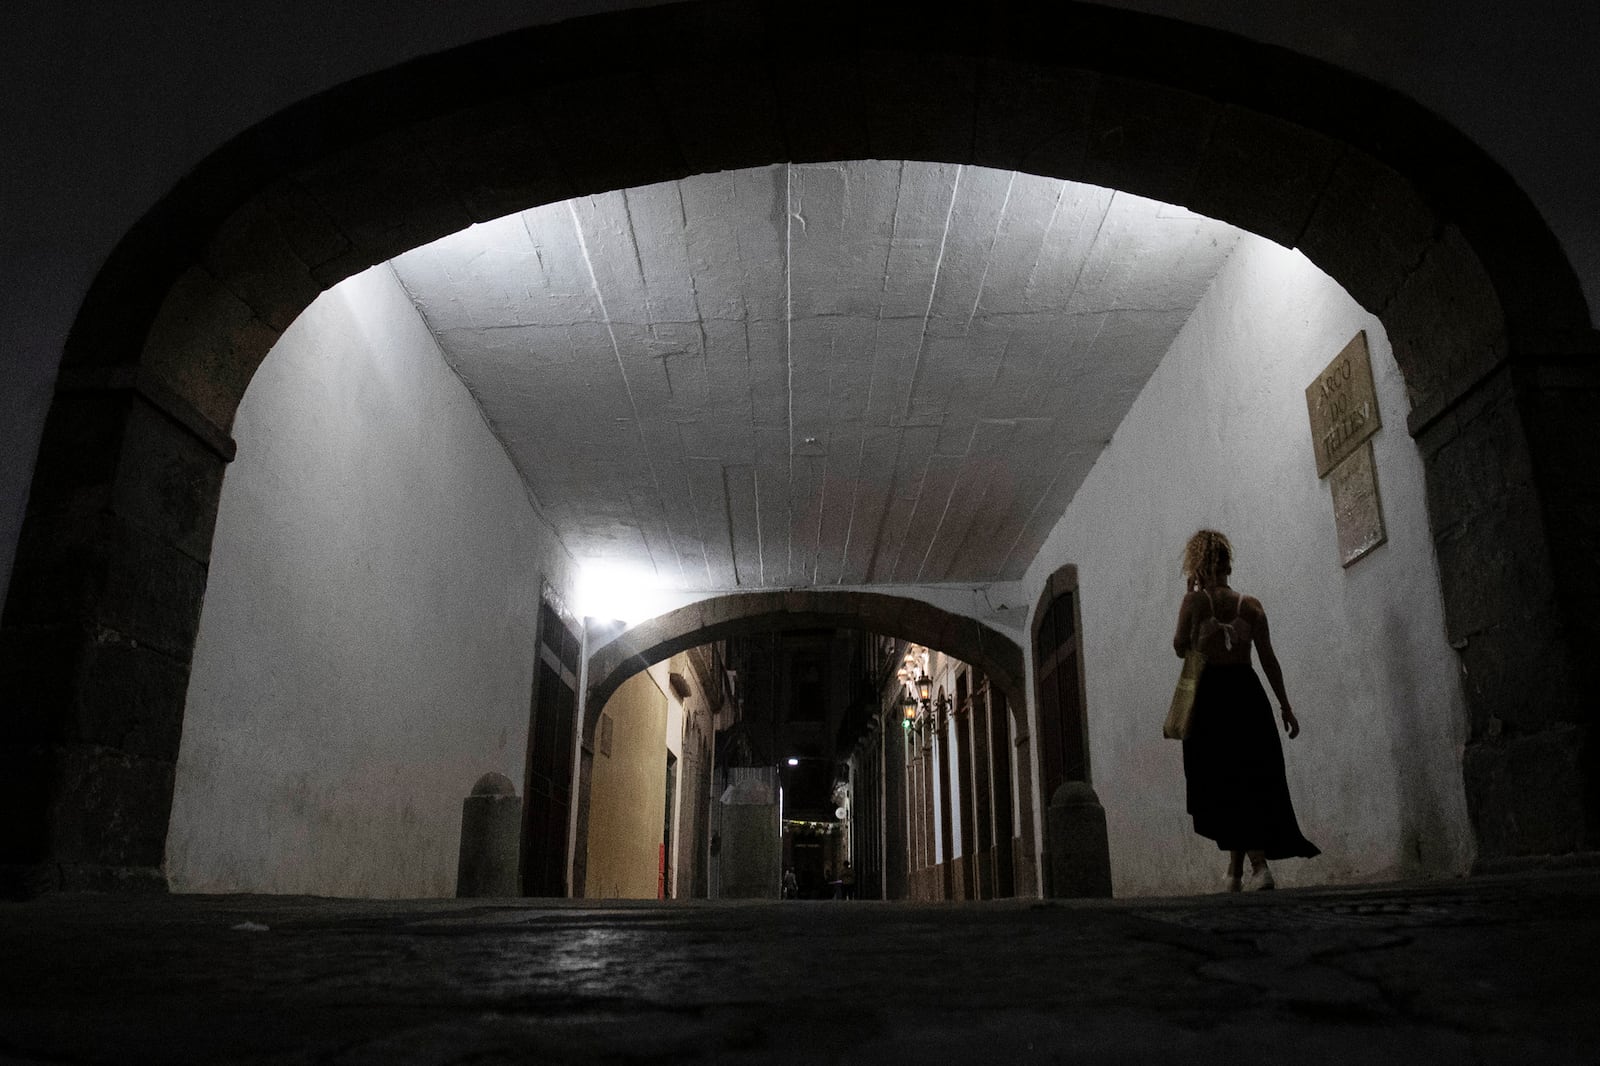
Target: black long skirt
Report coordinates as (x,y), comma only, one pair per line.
(1233,767)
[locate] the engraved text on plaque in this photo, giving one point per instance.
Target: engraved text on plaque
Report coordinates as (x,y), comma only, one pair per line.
(1343,405)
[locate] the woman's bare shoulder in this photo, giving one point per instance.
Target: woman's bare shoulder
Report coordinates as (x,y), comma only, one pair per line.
(1251,606)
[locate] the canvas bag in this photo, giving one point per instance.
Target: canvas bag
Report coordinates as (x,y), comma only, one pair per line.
(1181,709)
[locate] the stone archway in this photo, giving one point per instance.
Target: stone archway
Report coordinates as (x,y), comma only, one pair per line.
(721,617)
(1484,313)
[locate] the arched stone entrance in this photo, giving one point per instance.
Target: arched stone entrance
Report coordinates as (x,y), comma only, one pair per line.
(1484,313)
(721,617)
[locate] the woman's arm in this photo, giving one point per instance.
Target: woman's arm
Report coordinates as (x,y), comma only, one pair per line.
(1181,639)
(1269,666)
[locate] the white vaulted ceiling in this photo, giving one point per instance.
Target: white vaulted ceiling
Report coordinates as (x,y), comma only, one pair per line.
(847,373)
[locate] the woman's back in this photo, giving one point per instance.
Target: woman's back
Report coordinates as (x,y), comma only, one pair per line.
(1222,629)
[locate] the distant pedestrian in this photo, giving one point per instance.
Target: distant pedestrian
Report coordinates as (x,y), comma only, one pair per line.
(791,884)
(848,879)
(1237,790)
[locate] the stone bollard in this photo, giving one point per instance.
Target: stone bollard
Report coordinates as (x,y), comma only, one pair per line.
(1075,840)
(491,821)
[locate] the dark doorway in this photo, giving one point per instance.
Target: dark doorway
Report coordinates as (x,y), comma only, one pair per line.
(1062,748)
(664,889)
(548,794)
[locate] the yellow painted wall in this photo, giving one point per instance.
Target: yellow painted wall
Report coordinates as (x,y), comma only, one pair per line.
(628,796)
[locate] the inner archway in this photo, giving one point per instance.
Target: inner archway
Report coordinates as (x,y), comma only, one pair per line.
(920,763)
(719,617)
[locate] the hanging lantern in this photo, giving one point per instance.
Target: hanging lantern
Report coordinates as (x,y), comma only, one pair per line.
(924,688)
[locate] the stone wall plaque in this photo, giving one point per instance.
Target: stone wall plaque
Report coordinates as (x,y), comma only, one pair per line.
(1343,405)
(1357,512)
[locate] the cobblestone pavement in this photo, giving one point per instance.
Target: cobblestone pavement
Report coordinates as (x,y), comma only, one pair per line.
(1487,970)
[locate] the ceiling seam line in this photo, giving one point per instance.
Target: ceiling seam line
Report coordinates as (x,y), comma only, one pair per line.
(788,345)
(627,387)
(988,258)
(922,341)
(955,483)
(933,291)
(1088,253)
(1026,522)
(700,325)
(872,377)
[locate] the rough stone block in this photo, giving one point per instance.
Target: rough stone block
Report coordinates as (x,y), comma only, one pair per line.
(67,686)
(105,574)
(386,196)
(1032,118)
(1525,793)
(77,804)
(610,134)
(1484,461)
(1560,420)
(205,345)
(169,481)
(824,110)
(307,227)
(724,116)
(1369,230)
(109,448)
(1146,139)
(1516,676)
(1444,320)
(80,451)
(496,157)
(255,260)
(922,109)
(1262,174)
(1492,566)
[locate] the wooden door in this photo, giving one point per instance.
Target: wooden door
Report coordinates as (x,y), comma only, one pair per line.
(552,717)
(1062,750)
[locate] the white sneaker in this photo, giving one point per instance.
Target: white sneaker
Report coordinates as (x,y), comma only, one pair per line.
(1260,879)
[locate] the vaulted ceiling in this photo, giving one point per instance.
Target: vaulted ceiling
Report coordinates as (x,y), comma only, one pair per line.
(849,373)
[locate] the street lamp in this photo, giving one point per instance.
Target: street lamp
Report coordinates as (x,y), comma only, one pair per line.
(924,688)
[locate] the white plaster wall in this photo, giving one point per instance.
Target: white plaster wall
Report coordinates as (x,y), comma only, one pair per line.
(1219,437)
(366,646)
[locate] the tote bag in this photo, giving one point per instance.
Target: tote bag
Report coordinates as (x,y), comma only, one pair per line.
(1181,709)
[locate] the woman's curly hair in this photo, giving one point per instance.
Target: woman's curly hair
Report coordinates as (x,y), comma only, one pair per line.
(1208,557)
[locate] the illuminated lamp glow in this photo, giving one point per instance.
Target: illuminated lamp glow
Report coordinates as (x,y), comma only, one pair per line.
(607,589)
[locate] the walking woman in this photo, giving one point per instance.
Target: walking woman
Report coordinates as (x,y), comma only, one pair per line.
(1232,759)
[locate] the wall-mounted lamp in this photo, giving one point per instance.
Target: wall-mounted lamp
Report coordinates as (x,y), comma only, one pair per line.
(924,688)
(793,761)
